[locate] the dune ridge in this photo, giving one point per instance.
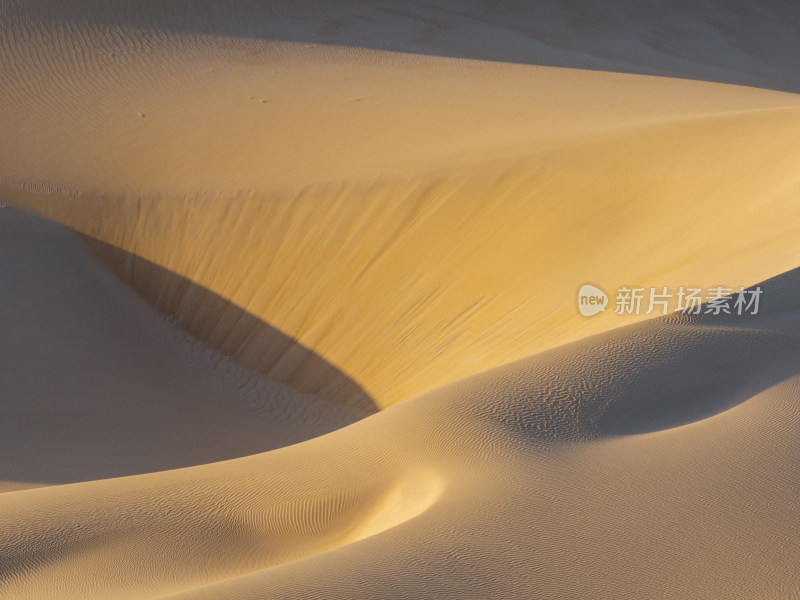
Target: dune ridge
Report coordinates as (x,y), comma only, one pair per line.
(155,399)
(499,463)
(437,261)
(289,300)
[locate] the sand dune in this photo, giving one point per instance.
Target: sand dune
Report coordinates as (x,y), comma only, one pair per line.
(404,171)
(153,398)
(289,300)
(437,262)
(566,454)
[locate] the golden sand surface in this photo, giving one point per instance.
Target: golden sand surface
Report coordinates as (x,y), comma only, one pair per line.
(289,300)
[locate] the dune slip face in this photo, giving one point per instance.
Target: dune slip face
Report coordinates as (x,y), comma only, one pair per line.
(290,300)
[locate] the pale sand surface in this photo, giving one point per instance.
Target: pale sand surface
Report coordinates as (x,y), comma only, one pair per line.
(333,208)
(97,384)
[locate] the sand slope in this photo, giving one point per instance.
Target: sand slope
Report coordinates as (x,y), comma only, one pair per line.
(389,211)
(483,240)
(562,468)
(97,384)
(312,332)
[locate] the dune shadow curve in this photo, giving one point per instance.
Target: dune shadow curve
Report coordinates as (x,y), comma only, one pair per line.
(93,383)
(232,330)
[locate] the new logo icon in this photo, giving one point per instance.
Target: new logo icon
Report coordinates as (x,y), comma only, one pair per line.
(591,300)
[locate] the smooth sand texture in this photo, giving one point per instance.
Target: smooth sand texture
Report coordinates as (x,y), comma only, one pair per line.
(97,384)
(333,208)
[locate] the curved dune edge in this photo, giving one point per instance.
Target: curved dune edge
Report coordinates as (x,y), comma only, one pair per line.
(156,534)
(405,499)
(98,384)
(372,380)
(406,276)
(413,489)
(407,225)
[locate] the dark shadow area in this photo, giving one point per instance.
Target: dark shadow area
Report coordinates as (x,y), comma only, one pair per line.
(231,330)
(745,43)
(95,384)
(683,368)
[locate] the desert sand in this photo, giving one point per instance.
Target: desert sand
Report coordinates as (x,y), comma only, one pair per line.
(289,300)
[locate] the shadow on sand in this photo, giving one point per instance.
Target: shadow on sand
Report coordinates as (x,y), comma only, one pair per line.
(93,383)
(232,330)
